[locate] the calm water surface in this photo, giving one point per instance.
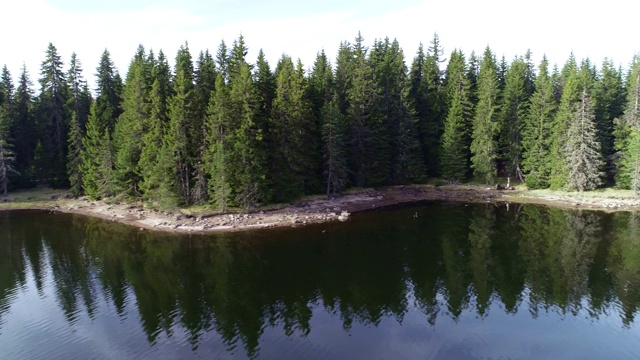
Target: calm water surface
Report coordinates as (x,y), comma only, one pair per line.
(431,281)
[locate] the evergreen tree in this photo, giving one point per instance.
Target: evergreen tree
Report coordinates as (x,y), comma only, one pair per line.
(108,93)
(582,148)
(265,84)
(344,65)
(291,127)
(455,138)
(237,57)
(485,122)
(53,116)
(23,129)
(248,157)
(558,136)
(91,156)
(130,126)
(79,97)
(154,161)
(222,61)
(74,156)
(512,113)
(7,116)
(205,81)
(608,97)
(631,160)
(321,83)
(218,153)
(181,124)
(7,158)
(368,142)
(473,72)
(431,117)
(334,150)
(396,114)
(627,124)
(537,130)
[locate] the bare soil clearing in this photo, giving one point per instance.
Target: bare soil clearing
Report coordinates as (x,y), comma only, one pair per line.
(315,210)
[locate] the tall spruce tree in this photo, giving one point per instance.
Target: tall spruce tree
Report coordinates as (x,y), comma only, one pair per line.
(570,96)
(205,81)
(181,125)
(582,148)
(93,154)
(396,114)
(485,122)
(454,154)
(608,97)
(369,156)
(344,65)
(335,147)
(536,132)
(431,117)
(154,161)
(79,96)
(511,118)
(631,160)
(250,183)
(291,128)
(74,156)
(53,117)
(129,127)
(24,130)
(108,92)
(626,125)
(7,158)
(217,158)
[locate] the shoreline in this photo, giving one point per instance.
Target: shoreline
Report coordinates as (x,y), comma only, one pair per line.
(316,210)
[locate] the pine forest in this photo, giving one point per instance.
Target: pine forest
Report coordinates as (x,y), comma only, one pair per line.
(223,130)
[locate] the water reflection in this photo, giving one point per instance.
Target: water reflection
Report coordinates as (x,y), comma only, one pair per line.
(448,261)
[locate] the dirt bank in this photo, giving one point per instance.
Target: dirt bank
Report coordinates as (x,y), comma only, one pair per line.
(305,212)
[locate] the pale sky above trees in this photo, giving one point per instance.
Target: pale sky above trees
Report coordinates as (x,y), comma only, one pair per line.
(300,29)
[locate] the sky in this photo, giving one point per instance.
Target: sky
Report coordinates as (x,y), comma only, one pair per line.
(302,28)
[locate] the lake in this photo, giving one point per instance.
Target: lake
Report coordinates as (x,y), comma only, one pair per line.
(427,281)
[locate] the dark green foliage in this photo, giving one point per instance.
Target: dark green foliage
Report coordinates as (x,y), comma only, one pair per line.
(609,99)
(396,114)
(291,127)
(334,150)
(249,158)
(7,156)
(233,134)
(74,156)
(53,117)
(91,157)
(369,156)
(454,152)
(177,138)
(218,147)
(631,160)
(108,93)
(537,130)
(562,119)
(582,148)
(513,109)
(79,100)
(129,128)
(154,156)
(627,124)
(24,129)
(485,122)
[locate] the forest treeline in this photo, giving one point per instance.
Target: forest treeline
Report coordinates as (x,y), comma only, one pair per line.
(233,133)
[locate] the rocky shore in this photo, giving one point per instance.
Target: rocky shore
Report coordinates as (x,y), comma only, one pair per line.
(318,210)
